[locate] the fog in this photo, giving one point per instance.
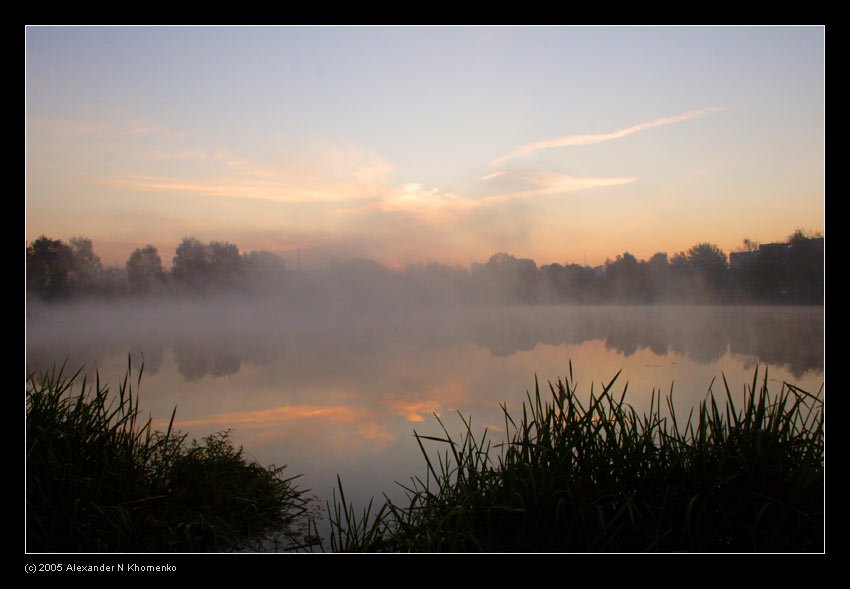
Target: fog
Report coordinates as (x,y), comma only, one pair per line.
(330,369)
(332,381)
(216,335)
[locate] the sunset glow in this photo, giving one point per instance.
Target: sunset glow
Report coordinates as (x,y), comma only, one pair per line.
(421,144)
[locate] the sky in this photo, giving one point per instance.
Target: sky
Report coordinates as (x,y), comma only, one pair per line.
(424,144)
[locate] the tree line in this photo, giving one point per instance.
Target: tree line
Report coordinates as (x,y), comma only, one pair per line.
(59,270)
(791,272)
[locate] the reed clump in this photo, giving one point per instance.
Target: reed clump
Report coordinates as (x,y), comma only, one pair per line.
(100,479)
(598,477)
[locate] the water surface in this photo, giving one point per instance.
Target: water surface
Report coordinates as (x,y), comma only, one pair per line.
(339,392)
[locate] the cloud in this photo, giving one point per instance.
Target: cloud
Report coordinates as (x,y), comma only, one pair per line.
(280,189)
(353,179)
(331,176)
(546,183)
(426,203)
(436,205)
(589,139)
(493,175)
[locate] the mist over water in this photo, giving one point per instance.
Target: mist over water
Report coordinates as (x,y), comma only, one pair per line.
(338,388)
(216,336)
(378,281)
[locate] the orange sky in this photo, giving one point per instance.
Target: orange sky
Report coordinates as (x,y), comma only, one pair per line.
(415,144)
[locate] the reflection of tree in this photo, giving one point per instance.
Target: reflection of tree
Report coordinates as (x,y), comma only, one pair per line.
(789,337)
(151,355)
(703,334)
(624,339)
(507,333)
(705,346)
(195,360)
(223,339)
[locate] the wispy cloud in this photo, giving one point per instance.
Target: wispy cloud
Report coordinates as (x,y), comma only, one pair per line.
(331,176)
(435,205)
(356,180)
(547,183)
(280,189)
(493,175)
(589,139)
(426,203)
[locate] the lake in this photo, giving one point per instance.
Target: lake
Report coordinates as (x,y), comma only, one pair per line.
(339,392)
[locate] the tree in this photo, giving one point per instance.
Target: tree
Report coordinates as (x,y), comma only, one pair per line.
(626,279)
(49,264)
(679,261)
(215,265)
(658,276)
(800,237)
(805,267)
(85,265)
(749,245)
(225,264)
(191,263)
(514,279)
(707,259)
(263,270)
(144,268)
(709,266)
(265,262)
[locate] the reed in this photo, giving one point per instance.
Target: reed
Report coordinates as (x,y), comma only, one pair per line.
(595,476)
(100,479)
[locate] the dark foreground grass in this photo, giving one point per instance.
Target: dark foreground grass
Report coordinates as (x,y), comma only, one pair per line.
(99,479)
(597,477)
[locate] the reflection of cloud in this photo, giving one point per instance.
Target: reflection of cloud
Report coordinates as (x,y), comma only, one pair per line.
(415,412)
(589,139)
(376,432)
(276,416)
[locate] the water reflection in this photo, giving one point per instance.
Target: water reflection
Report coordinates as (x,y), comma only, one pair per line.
(196,359)
(335,394)
(220,346)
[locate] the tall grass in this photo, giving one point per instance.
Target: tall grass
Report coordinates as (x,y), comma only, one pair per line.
(101,479)
(596,476)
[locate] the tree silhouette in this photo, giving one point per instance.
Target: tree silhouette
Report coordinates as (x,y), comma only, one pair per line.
(85,266)
(709,266)
(225,264)
(49,267)
(626,279)
(144,268)
(806,267)
(791,272)
(657,277)
(191,264)
(707,259)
